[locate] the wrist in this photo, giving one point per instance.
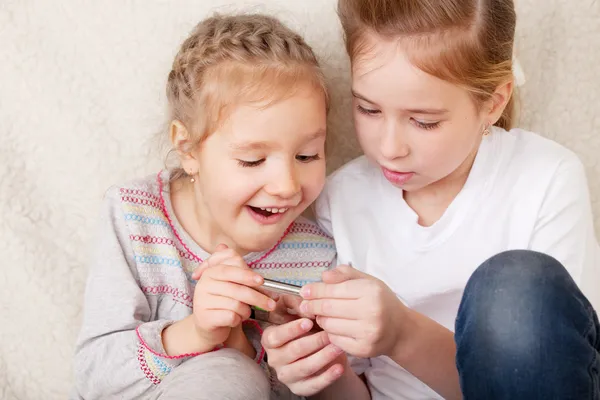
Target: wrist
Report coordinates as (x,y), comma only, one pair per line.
(238,340)
(407,328)
(182,337)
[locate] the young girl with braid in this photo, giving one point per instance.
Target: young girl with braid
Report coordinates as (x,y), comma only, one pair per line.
(181,254)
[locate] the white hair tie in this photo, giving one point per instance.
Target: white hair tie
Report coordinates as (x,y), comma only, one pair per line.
(518,72)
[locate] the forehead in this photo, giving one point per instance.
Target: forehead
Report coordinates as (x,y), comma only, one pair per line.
(296,119)
(384,73)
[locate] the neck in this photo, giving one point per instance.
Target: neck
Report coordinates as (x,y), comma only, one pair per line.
(431,202)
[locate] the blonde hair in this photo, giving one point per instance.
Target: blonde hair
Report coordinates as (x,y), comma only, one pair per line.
(465,42)
(228,60)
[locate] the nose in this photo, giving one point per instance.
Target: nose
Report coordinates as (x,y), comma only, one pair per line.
(284,182)
(393,143)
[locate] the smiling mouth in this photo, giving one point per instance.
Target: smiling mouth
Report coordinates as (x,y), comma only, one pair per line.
(267,212)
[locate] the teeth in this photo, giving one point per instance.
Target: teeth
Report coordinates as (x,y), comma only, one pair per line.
(274,210)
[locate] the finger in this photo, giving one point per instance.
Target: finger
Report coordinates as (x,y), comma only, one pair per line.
(310,365)
(235,261)
(276,336)
(226,303)
(199,270)
(348,344)
(228,273)
(341,274)
(316,384)
(281,314)
(241,293)
(219,257)
(336,308)
(299,349)
(221,318)
(341,327)
(350,289)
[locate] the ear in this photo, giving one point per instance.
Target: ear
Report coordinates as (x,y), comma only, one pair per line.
(181,142)
(498,101)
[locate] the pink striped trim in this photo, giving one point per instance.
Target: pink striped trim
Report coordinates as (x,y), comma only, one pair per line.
(144,202)
(137,192)
(196,258)
(145,369)
(256,325)
(137,331)
(162,240)
(306,228)
(178,295)
(303,264)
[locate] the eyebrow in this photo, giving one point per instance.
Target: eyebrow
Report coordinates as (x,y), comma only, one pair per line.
(249,146)
(432,111)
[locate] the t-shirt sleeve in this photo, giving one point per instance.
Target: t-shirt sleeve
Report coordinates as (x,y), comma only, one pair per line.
(323,212)
(564,225)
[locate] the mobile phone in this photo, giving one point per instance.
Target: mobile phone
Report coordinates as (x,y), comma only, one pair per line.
(282,288)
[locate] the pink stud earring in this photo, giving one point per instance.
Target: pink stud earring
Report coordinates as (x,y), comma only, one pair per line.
(191,175)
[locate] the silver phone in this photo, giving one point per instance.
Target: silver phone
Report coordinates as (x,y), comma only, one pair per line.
(280,287)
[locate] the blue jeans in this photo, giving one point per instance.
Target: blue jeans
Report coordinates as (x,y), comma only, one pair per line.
(525,331)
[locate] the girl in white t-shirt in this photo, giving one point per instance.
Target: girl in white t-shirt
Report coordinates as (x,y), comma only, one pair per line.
(467,238)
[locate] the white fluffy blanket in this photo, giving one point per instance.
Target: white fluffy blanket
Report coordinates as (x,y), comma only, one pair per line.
(81,101)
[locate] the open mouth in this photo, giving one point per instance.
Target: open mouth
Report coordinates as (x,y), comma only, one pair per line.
(268,212)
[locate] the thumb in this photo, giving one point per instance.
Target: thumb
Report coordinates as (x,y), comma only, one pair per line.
(341,273)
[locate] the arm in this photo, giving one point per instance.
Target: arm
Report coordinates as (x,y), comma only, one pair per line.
(348,386)
(119,351)
(428,352)
(424,348)
(564,227)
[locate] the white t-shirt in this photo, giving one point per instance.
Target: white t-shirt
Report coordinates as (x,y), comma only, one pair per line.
(523,192)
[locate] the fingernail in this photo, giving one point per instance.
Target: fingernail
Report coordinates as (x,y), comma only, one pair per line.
(305,325)
(338,372)
(305,292)
(272,304)
(335,349)
(258,279)
(304,307)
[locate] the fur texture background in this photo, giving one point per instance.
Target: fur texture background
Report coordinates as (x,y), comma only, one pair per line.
(82,104)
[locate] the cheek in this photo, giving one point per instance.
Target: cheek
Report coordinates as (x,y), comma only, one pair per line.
(366,132)
(448,150)
(313,182)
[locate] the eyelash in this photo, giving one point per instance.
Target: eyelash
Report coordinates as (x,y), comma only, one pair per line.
(301,158)
(249,164)
(422,125)
(367,111)
(426,126)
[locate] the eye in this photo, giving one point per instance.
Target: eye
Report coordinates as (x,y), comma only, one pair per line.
(426,125)
(248,164)
(307,159)
(367,111)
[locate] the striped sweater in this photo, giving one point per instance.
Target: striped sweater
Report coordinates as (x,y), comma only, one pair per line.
(140,282)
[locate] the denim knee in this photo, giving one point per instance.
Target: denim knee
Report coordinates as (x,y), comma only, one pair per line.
(523,320)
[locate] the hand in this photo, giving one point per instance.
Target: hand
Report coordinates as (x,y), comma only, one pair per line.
(287,310)
(305,363)
(360,313)
(224,293)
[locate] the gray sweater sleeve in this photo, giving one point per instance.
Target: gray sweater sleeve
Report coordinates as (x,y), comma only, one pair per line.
(119,351)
